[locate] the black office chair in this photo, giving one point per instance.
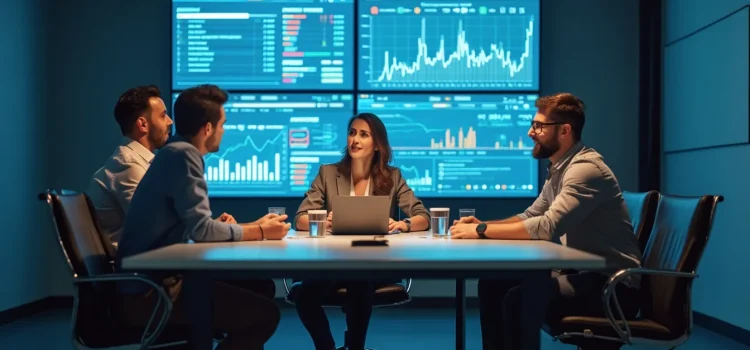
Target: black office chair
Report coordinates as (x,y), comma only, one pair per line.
(389,295)
(642,208)
(94,322)
(670,261)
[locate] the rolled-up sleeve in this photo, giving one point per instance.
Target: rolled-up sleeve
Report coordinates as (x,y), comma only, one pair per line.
(537,208)
(580,194)
(190,194)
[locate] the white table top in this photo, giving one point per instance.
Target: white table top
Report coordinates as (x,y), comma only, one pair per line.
(405,252)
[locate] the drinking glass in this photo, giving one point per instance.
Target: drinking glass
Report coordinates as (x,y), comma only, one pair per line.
(439,222)
(277,210)
(466,212)
(317,220)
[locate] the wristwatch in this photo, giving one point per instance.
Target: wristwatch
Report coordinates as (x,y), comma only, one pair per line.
(480,230)
(408,224)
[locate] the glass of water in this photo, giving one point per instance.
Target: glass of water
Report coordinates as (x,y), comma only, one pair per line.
(277,210)
(439,222)
(317,220)
(466,212)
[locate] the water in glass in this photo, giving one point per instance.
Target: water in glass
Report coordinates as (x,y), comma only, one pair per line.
(317,219)
(439,222)
(466,212)
(277,210)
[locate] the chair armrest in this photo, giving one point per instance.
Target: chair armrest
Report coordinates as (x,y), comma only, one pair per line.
(147,339)
(286,286)
(609,294)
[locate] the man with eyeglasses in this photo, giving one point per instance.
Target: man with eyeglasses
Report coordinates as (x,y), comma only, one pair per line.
(581,206)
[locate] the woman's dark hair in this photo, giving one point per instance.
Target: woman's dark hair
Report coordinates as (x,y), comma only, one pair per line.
(380,171)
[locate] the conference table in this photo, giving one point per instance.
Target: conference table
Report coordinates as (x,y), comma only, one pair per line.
(407,255)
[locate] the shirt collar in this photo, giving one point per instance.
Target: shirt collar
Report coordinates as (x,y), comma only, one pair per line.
(138,148)
(566,158)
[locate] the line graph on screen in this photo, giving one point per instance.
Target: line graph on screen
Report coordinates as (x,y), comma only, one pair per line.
(449,51)
(464,60)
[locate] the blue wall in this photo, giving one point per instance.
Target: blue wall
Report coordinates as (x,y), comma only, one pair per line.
(131,46)
(26,242)
(705,133)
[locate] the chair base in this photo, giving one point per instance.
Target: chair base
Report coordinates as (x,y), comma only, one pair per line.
(345,348)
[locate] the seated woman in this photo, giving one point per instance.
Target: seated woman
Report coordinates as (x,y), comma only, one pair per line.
(363,171)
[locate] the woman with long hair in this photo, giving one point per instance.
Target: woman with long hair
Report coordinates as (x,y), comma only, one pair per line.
(364,170)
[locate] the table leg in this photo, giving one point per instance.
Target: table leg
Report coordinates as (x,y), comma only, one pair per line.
(460,314)
(198,290)
(534,300)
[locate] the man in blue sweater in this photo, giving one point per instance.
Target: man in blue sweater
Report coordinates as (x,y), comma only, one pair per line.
(171,206)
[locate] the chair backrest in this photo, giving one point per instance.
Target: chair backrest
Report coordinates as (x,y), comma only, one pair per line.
(78,234)
(676,243)
(642,208)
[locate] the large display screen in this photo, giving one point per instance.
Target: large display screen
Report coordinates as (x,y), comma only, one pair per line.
(263,44)
(273,144)
(450,145)
(448,45)
(454,82)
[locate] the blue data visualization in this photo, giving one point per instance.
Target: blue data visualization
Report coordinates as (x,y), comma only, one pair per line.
(460,145)
(444,45)
(263,44)
(273,144)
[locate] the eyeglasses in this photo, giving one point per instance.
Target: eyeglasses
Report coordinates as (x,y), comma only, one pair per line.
(539,126)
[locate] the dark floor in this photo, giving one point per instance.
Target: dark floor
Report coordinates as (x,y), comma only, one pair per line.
(392,329)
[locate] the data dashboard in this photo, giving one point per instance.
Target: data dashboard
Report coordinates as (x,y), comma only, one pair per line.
(263,44)
(273,144)
(449,145)
(448,45)
(454,82)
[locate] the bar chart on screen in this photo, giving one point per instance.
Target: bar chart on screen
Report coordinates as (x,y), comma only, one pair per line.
(274,144)
(460,145)
(252,161)
(251,170)
(418,173)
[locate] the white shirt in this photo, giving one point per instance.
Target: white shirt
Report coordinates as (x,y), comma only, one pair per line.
(351,187)
(112,186)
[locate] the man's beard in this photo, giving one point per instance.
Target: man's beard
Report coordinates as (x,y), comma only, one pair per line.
(543,151)
(158,138)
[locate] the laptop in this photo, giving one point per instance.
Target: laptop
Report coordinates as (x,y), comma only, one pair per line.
(360,215)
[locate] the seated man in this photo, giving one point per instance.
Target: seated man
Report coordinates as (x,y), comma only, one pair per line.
(171,206)
(145,126)
(581,206)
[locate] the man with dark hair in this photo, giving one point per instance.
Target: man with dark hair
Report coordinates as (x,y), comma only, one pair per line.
(581,206)
(145,125)
(171,206)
